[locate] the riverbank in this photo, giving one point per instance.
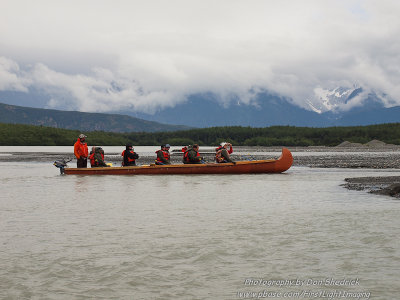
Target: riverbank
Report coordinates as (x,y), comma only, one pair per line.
(388,185)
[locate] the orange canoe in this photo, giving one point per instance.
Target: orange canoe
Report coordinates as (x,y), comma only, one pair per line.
(279,165)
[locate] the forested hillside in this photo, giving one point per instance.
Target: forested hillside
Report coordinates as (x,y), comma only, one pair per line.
(12,134)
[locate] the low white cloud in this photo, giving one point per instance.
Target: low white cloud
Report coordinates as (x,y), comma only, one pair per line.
(143,56)
(11,78)
(101,91)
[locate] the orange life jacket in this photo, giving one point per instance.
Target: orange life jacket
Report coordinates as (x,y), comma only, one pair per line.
(130,160)
(80,149)
(165,154)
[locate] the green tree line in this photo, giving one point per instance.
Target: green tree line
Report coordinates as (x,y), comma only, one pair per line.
(29,135)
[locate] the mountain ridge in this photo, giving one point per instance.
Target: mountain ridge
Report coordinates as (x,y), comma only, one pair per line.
(349,107)
(271,110)
(83,121)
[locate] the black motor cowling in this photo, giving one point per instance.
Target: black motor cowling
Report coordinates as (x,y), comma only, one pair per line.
(61,164)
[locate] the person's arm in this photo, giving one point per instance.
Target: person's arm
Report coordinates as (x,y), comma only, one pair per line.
(230,149)
(99,159)
(160,155)
(225,155)
(85,151)
(102,163)
(133,155)
(76,151)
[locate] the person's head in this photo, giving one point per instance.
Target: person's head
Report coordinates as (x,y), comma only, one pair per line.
(196,147)
(82,137)
(129,146)
(225,144)
(166,147)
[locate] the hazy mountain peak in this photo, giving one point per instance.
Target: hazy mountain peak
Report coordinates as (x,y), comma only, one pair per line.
(331,99)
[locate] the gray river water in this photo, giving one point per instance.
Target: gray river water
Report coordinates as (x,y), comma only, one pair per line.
(195,237)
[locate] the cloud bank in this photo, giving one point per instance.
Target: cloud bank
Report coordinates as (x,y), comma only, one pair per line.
(143,56)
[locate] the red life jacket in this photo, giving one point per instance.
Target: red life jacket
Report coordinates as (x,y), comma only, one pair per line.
(165,154)
(130,160)
(186,155)
(91,157)
(93,162)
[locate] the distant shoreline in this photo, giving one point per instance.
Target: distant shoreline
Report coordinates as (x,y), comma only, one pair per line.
(314,157)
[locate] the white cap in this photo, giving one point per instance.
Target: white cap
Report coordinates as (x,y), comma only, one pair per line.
(82,136)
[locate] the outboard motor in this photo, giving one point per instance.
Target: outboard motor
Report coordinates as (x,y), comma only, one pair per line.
(61,164)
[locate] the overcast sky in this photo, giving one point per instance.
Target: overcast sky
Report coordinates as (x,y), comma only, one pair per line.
(95,55)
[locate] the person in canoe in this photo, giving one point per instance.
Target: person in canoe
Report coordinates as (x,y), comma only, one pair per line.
(192,155)
(129,156)
(222,153)
(163,156)
(81,151)
(97,157)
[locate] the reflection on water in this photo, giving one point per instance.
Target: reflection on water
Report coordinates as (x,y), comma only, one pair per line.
(190,237)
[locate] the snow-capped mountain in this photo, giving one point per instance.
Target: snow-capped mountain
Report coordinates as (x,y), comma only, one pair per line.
(332,100)
(338,107)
